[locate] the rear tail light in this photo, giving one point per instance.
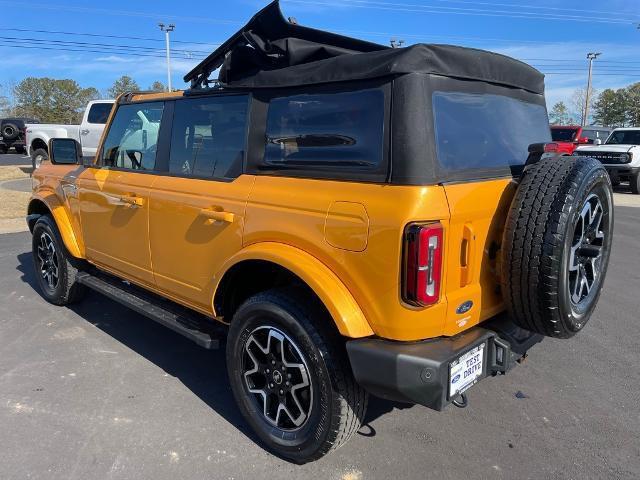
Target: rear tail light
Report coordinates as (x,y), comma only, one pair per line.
(551,147)
(422,273)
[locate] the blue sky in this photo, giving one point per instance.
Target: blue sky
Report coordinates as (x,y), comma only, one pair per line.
(554,36)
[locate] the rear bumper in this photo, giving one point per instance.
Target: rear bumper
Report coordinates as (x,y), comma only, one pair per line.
(418,372)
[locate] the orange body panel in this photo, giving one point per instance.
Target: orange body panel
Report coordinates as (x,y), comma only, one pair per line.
(178,237)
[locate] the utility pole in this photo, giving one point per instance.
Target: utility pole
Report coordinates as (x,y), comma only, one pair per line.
(591,56)
(166,29)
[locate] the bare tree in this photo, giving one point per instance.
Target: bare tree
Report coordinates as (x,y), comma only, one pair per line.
(577,103)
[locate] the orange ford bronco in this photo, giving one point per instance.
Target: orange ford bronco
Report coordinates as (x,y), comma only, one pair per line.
(362,219)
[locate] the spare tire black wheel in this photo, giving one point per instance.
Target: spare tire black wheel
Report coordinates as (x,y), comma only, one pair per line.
(10,131)
(556,245)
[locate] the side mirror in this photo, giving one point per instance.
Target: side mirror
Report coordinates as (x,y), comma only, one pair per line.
(65,151)
(597,141)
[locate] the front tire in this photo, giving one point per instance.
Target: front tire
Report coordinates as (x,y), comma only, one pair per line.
(634,182)
(290,376)
(54,267)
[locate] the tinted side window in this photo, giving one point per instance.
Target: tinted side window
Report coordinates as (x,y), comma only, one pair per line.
(133,136)
(99,113)
(484,131)
(209,136)
(332,131)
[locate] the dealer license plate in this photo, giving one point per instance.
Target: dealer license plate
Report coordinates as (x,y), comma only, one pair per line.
(466,370)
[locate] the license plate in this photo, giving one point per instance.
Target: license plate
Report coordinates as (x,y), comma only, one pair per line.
(466,370)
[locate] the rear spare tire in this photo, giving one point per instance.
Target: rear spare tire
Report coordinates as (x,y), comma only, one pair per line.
(10,131)
(556,245)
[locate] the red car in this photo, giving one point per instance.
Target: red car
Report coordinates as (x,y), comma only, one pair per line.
(570,137)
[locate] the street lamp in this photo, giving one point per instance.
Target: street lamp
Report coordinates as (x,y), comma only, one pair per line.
(166,29)
(591,56)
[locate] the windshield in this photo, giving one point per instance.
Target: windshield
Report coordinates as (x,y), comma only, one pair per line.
(563,134)
(624,137)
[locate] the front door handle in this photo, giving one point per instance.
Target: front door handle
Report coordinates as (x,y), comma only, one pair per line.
(132,200)
(218,216)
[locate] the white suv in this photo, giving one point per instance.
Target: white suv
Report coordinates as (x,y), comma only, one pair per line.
(620,154)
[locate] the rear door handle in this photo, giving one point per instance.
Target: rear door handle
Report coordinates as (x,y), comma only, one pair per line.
(84,132)
(466,254)
(218,216)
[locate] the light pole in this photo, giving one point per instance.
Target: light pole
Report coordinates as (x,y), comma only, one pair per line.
(166,29)
(591,56)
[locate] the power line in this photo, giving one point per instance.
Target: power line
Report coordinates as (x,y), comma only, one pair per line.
(467,11)
(100,45)
(104,35)
(534,7)
(84,50)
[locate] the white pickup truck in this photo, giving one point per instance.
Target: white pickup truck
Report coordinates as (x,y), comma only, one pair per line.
(620,154)
(88,133)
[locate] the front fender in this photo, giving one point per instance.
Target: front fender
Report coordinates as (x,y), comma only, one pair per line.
(61,217)
(335,296)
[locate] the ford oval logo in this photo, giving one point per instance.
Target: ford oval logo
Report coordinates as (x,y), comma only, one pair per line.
(455,379)
(465,307)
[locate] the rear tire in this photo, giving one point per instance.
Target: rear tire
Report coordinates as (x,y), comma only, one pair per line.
(55,268)
(556,245)
(38,156)
(634,182)
(327,411)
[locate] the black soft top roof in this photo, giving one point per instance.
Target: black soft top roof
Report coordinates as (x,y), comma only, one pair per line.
(271,52)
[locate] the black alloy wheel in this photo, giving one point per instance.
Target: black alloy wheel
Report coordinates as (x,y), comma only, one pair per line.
(290,375)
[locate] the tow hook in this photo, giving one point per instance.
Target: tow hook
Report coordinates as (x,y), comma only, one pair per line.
(461,401)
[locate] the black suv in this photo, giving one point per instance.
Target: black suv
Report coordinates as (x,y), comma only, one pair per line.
(12,134)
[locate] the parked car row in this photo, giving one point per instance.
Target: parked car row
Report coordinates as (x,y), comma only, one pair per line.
(88,133)
(28,135)
(618,150)
(12,134)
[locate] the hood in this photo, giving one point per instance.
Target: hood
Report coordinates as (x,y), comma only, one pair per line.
(606,148)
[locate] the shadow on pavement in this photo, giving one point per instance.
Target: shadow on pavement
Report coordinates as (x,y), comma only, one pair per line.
(201,371)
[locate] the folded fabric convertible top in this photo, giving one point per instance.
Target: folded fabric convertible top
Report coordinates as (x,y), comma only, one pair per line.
(271,52)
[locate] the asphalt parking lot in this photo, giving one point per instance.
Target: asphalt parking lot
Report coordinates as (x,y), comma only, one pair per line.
(14,159)
(97,391)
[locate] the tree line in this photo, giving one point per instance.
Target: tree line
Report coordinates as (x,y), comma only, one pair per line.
(609,108)
(52,100)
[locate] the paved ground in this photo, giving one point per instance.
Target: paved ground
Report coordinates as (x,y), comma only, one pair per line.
(14,159)
(98,391)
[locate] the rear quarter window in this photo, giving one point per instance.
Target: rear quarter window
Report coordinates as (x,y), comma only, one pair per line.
(486,132)
(326,132)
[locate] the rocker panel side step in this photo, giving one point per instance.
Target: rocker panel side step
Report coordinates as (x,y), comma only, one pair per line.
(197,328)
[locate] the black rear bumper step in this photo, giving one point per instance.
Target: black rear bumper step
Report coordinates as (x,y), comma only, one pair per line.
(200,329)
(418,372)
